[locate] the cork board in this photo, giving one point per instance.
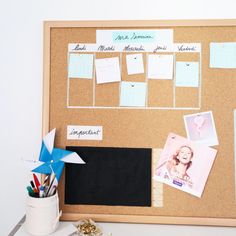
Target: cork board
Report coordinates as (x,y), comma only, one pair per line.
(72,102)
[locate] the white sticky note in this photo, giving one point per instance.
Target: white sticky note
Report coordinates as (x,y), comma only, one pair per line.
(160,66)
(80,66)
(107,70)
(79,132)
(133,94)
(223,55)
(134,64)
(187,74)
(157,36)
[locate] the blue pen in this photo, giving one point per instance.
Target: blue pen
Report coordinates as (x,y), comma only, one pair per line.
(41,191)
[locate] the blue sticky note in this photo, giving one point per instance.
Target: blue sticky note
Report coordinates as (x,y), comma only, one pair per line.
(187,74)
(80,66)
(133,94)
(223,55)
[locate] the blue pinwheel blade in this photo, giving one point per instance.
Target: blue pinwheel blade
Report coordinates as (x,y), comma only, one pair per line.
(44,155)
(58,154)
(43,169)
(57,168)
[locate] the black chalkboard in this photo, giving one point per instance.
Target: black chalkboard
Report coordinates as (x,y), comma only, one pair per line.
(111,176)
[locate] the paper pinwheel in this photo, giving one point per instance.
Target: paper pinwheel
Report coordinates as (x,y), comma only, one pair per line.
(53,159)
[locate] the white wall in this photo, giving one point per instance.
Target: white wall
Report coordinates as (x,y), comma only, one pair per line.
(21,60)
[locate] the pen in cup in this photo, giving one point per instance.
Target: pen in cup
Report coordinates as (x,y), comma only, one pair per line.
(41,191)
(30,191)
(50,186)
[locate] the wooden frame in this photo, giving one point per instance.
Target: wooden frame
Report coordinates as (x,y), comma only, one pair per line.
(46,111)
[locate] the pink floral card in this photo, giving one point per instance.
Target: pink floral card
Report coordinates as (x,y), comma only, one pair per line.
(200,128)
(185,165)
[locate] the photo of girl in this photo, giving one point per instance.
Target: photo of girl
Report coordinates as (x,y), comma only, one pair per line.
(184,164)
(176,166)
(180,163)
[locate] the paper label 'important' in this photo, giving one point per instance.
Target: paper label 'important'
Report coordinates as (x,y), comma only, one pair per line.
(77,132)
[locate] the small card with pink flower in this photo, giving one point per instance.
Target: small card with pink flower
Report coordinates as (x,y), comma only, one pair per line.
(185,165)
(200,128)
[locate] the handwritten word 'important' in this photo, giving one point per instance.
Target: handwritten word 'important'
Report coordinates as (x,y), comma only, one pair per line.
(78,132)
(81,133)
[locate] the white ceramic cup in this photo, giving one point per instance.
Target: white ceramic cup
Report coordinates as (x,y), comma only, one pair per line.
(42,215)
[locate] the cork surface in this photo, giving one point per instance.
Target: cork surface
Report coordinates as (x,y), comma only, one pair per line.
(149,128)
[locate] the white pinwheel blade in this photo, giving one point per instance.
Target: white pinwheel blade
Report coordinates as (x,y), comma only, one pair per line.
(49,140)
(73,158)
